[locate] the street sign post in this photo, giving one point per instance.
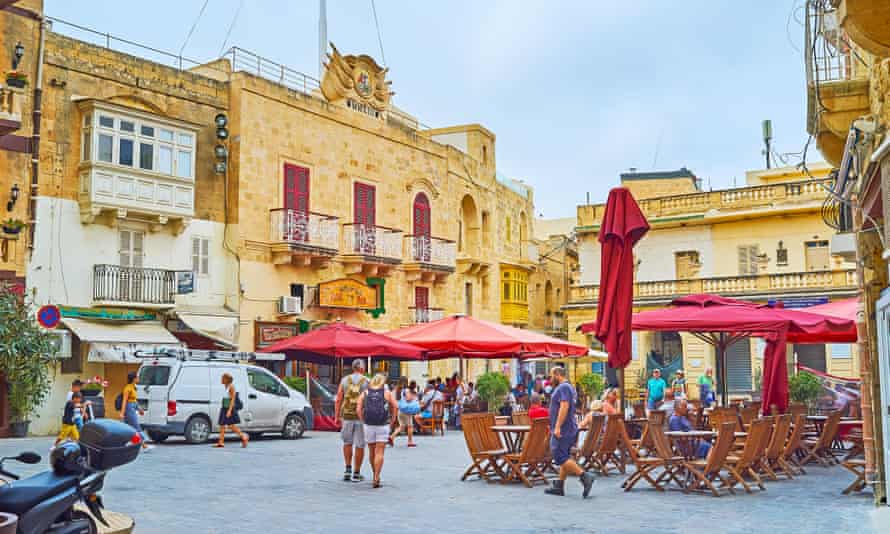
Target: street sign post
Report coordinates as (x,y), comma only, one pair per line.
(49,316)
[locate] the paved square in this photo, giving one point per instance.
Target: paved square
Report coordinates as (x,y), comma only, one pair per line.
(294,486)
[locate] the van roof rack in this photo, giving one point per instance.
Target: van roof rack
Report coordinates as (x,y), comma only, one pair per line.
(209,355)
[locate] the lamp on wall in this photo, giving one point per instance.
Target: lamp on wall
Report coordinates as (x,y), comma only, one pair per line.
(17,54)
(13,197)
(220,150)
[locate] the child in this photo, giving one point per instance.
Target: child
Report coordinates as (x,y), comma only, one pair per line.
(80,413)
(69,426)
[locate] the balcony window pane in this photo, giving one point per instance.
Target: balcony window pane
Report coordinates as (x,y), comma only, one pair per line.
(128,126)
(125,152)
(165,159)
(165,135)
(146,156)
(86,145)
(106,143)
(147,131)
(183,164)
(185,139)
(106,122)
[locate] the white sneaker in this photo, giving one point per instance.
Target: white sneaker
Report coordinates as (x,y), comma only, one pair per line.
(148,448)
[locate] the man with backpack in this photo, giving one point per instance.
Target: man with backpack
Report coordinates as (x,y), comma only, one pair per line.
(377,408)
(346,413)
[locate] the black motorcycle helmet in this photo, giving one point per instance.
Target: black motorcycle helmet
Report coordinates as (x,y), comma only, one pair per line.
(66,459)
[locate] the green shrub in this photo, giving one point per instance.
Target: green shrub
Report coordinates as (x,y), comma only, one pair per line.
(492,387)
(296,382)
(591,385)
(804,387)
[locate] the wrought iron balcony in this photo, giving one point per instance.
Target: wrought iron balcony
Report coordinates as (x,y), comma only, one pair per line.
(378,244)
(433,251)
(305,233)
(427,315)
(133,285)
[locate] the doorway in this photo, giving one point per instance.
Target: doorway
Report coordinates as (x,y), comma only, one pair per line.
(812,356)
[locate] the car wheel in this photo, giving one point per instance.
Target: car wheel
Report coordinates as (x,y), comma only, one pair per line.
(197,430)
(255,435)
(158,437)
(294,426)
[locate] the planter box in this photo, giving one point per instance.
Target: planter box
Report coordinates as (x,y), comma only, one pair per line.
(16,82)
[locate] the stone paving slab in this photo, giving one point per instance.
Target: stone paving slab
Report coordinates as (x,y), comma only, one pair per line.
(294,486)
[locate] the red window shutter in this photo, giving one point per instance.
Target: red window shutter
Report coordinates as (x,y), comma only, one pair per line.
(296,188)
(422,298)
(364,204)
(421,216)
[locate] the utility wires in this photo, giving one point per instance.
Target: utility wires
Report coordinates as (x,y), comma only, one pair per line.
(379,38)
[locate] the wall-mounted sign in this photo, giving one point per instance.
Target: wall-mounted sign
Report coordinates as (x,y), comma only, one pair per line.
(269,333)
(48,316)
(799,302)
(107,314)
(347,293)
(185,282)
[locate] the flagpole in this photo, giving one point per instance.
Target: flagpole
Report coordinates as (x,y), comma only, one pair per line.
(322,36)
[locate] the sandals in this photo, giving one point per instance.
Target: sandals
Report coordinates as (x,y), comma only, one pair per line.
(244,441)
(218,446)
(376,484)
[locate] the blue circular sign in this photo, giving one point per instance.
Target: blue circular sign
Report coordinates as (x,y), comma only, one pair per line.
(49,316)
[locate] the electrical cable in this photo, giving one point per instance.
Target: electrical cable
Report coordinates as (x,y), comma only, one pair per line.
(379,38)
(194,25)
(231,27)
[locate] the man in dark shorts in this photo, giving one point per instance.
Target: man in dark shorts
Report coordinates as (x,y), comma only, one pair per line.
(564,434)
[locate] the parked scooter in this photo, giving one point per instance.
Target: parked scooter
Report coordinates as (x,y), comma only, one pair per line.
(45,503)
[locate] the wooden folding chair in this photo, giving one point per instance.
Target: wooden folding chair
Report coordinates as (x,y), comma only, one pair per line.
(857,467)
(645,443)
(639,410)
(484,454)
(588,446)
(437,421)
(704,473)
(819,449)
(752,453)
(797,408)
(521,418)
(793,449)
(673,464)
(722,414)
(644,465)
(606,454)
(747,415)
(773,463)
(526,464)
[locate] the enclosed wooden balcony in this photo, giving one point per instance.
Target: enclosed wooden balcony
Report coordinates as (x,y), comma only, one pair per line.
(430,259)
(371,250)
(303,238)
(10,109)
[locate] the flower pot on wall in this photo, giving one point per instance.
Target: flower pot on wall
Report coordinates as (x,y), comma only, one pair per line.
(16,82)
(18,429)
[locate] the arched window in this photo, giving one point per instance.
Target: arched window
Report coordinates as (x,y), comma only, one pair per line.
(421,216)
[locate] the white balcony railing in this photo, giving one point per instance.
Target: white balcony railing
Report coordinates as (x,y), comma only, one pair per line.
(431,250)
(305,229)
(427,315)
(374,241)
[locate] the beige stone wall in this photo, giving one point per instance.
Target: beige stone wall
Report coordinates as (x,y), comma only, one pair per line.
(660,187)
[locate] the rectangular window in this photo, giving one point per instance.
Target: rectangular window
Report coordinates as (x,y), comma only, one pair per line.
(106,122)
(185,139)
(106,147)
(146,156)
(841,351)
(184,164)
(748,256)
(818,256)
(201,256)
(165,159)
(131,249)
(125,152)
(86,145)
(147,131)
(128,126)
(165,135)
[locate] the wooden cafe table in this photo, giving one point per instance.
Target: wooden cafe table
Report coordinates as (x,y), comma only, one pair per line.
(513,436)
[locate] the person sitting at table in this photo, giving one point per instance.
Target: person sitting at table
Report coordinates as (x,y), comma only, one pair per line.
(679,422)
(430,394)
(610,402)
(535,409)
(668,405)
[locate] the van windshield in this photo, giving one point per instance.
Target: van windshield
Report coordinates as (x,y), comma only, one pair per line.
(154,375)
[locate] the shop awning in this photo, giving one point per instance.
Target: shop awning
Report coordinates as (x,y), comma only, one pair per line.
(144,332)
(220,326)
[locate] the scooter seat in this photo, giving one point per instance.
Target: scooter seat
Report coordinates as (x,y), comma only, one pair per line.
(19,496)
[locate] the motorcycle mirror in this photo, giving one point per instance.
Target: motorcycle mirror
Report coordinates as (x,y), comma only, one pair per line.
(28,458)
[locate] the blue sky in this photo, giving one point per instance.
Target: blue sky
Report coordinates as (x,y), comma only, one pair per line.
(576,91)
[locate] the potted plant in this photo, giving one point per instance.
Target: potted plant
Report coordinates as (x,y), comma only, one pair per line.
(492,388)
(26,353)
(591,385)
(12,227)
(16,78)
(94,386)
(804,387)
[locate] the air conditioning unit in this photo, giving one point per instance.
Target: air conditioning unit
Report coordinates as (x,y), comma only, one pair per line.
(290,305)
(61,342)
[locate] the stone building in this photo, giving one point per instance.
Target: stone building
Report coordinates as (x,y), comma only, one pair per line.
(763,242)
(228,204)
(848,113)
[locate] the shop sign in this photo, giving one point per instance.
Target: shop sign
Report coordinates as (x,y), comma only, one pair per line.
(347,293)
(185,282)
(269,333)
(799,302)
(107,314)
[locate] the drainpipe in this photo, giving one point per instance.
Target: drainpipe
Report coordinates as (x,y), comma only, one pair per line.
(35,135)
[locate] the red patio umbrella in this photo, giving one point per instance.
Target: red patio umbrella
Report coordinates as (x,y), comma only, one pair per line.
(845,308)
(468,337)
(622,227)
(339,341)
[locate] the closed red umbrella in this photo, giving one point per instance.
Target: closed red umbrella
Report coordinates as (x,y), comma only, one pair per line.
(622,227)
(341,341)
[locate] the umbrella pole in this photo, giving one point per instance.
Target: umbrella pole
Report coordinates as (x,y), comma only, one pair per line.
(621,390)
(369,366)
(721,353)
(308,385)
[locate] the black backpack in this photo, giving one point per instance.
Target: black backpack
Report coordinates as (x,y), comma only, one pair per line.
(119,401)
(375,407)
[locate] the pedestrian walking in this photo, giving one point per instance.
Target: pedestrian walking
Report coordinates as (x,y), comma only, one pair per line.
(409,406)
(130,410)
(346,414)
(564,434)
(377,409)
(655,390)
(228,413)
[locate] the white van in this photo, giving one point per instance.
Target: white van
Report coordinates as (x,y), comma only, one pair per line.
(182,395)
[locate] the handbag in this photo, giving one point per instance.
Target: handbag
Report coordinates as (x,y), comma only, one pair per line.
(409,407)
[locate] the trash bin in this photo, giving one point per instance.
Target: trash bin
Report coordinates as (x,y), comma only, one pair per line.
(8,523)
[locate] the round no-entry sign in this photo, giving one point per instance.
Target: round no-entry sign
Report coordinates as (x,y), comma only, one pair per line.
(49,316)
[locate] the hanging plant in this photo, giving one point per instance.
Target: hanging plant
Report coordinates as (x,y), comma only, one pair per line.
(13,226)
(16,78)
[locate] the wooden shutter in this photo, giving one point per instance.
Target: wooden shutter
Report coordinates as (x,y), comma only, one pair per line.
(296,188)
(422,298)
(421,216)
(364,204)
(817,255)
(738,366)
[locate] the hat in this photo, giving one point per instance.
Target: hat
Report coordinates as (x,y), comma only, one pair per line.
(679,372)
(358,363)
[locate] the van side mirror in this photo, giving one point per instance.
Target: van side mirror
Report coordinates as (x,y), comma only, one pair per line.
(28,458)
